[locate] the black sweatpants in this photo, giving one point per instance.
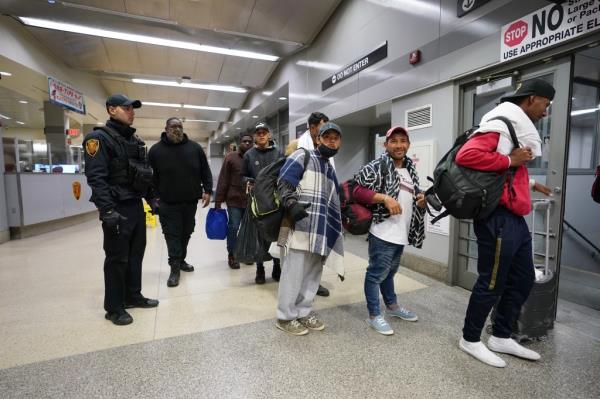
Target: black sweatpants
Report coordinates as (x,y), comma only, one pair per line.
(178,221)
(124,255)
(506,273)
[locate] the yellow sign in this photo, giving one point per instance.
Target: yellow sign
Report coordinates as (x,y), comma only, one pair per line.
(76,190)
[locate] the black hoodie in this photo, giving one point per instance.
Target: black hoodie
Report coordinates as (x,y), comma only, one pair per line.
(181,171)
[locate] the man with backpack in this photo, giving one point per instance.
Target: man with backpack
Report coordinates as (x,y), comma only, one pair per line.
(255,159)
(505,264)
(310,196)
(310,140)
(391,184)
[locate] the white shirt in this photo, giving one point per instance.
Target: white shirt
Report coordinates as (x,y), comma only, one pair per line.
(395,228)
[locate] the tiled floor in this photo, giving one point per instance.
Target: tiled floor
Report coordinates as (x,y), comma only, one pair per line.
(214,336)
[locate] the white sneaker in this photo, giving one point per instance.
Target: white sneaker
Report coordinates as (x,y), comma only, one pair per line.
(480,352)
(510,346)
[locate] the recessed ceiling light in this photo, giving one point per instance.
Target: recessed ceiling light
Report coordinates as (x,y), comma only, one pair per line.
(5,73)
(4,116)
(189,85)
(20,123)
(132,37)
(24,102)
(267,93)
(255,116)
(282,98)
(245,111)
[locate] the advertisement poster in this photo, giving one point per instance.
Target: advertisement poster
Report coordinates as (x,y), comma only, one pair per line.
(63,94)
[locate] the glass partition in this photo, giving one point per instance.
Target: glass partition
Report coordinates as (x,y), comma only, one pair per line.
(34,156)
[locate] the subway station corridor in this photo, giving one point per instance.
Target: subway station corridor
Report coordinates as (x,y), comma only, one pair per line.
(214,335)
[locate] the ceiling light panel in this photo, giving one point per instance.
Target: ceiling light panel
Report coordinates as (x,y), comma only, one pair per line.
(132,37)
(190,85)
(188,106)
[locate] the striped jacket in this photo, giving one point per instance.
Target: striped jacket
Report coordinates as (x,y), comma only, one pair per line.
(370,176)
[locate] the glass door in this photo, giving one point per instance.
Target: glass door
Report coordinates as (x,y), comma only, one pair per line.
(549,169)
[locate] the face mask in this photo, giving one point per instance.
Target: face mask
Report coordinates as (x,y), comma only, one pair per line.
(326,152)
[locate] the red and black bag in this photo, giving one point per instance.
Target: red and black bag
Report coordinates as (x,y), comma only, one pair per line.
(356,218)
(596,186)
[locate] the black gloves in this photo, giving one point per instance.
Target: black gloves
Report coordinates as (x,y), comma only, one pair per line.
(112,220)
(298,211)
(154,206)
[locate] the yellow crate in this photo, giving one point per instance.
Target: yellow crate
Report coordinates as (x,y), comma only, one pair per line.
(150,218)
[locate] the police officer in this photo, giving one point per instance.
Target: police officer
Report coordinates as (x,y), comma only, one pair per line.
(119,176)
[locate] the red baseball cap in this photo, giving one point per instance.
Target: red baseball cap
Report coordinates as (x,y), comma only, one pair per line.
(395,130)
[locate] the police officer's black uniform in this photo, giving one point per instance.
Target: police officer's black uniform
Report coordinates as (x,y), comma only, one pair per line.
(119,176)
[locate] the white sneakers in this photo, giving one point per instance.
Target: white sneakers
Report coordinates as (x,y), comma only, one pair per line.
(502,345)
(510,346)
(480,352)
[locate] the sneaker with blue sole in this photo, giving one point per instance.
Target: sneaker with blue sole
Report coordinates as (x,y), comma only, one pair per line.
(402,313)
(380,325)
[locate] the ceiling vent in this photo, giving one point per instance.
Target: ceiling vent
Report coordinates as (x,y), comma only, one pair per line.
(418,118)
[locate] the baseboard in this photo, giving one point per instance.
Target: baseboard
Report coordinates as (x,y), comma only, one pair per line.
(428,267)
(53,225)
(4,236)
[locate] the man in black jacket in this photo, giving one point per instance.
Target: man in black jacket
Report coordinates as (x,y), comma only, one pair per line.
(117,173)
(181,177)
(255,159)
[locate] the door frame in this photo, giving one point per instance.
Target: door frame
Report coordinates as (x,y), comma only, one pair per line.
(562,67)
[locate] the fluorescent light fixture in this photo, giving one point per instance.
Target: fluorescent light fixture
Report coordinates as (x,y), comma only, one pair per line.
(24,102)
(584,111)
(200,120)
(152,104)
(238,128)
(319,65)
(245,111)
(267,93)
(20,123)
(4,116)
(206,107)
(255,116)
(189,85)
(5,73)
(132,37)
(40,147)
(227,135)
(282,98)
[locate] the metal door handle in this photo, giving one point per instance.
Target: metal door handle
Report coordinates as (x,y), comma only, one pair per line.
(557,190)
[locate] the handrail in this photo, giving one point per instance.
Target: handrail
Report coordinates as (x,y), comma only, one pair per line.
(584,238)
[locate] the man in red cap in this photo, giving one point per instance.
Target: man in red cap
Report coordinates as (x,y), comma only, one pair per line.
(391,183)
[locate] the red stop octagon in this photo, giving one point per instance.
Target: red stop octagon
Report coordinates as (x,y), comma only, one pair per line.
(516,33)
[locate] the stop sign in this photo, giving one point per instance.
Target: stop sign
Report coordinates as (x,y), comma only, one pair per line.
(516,33)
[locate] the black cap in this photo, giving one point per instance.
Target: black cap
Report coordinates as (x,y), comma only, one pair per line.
(121,99)
(263,126)
(533,87)
(325,127)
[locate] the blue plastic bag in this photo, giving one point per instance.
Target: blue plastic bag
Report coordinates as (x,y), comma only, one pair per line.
(216,224)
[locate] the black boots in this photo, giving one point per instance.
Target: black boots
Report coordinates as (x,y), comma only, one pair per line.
(173,280)
(276,274)
(232,262)
(186,267)
(260,275)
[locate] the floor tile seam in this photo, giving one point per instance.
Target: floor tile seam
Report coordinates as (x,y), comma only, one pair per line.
(207,330)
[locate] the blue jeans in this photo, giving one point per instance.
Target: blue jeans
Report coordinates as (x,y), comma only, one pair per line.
(235,216)
(384,261)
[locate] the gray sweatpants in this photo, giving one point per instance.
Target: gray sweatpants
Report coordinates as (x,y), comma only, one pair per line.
(300,278)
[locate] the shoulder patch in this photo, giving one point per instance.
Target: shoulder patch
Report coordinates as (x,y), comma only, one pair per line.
(92,146)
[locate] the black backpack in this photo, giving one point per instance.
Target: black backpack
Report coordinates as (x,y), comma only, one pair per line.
(466,193)
(264,203)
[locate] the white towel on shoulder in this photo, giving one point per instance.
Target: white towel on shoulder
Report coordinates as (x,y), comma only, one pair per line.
(527,134)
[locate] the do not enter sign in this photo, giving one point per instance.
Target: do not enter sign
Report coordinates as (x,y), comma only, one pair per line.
(516,33)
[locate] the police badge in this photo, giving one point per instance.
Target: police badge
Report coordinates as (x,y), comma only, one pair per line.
(92,146)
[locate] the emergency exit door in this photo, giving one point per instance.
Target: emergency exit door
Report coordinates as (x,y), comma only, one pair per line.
(549,169)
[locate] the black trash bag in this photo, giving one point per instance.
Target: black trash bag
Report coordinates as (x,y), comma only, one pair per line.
(250,247)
